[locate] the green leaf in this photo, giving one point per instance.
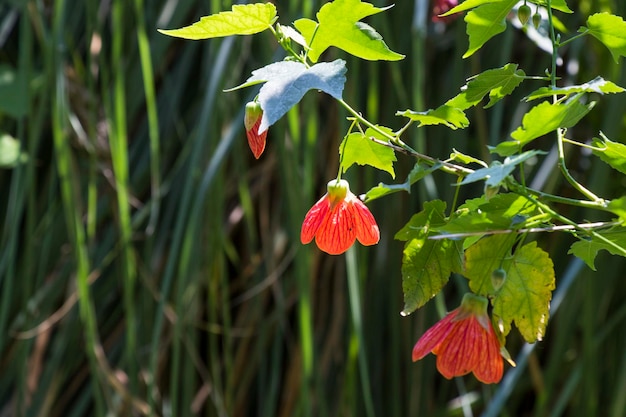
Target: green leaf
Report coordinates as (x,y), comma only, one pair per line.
(339,26)
(543,119)
(587,248)
(457,156)
(470,4)
(418,172)
(426,264)
(286,82)
(10,152)
(597,85)
(559,5)
(505,211)
(485,22)
(612,153)
(360,149)
(610,30)
(495,174)
(525,295)
(498,83)
(618,206)
(449,116)
(13,92)
(242,20)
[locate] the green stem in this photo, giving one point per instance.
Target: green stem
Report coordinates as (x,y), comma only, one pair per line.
(584,191)
(580,35)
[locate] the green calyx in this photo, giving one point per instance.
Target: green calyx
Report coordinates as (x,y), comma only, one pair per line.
(253,113)
(474,305)
(338,190)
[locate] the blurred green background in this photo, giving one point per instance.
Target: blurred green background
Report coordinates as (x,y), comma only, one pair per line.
(150,266)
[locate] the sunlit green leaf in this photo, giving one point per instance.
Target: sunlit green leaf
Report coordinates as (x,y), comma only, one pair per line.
(498,83)
(452,117)
(244,19)
(543,119)
(10,151)
(618,206)
(587,248)
(610,30)
(465,159)
(286,82)
(559,5)
(339,26)
(470,4)
(418,172)
(357,148)
(613,153)
(495,174)
(426,264)
(597,85)
(505,211)
(525,295)
(485,22)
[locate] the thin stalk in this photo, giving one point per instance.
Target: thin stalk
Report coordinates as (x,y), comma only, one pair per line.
(151,110)
(119,157)
(72,217)
(354,293)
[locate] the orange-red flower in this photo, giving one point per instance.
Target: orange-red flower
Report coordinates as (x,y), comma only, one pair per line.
(464,341)
(252,121)
(338,219)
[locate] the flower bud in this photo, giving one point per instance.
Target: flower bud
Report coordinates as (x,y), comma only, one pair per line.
(523,14)
(252,121)
(537,20)
(498,276)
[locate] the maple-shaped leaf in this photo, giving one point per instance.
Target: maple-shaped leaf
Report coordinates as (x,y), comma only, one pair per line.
(446,115)
(498,83)
(612,153)
(543,119)
(618,206)
(286,82)
(524,297)
(505,211)
(245,19)
(471,4)
(587,248)
(339,26)
(496,173)
(418,172)
(426,264)
(358,148)
(610,30)
(597,85)
(485,22)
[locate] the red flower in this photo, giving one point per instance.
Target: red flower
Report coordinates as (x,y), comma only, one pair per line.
(443,6)
(251,121)
(464,341)
(338,219)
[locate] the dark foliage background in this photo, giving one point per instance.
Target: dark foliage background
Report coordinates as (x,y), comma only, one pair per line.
(149,265)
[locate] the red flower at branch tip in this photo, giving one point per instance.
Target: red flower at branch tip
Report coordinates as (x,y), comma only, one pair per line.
(252,121)
(443,6)
(338,219)
(464,341)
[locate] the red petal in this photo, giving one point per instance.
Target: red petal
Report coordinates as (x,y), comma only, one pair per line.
(490,365)
(366,228)
(256,141)
(470,348)
(313,219)
(337,232)
(434,336)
